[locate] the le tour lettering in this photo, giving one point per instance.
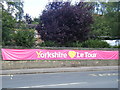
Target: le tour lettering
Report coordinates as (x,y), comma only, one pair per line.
(86,54)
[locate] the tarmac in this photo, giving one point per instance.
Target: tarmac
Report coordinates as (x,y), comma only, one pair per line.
(55,70)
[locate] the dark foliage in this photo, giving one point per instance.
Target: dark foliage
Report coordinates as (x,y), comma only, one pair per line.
(62,22)
(28,19)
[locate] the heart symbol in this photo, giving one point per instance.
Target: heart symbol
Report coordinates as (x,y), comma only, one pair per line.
(72,54)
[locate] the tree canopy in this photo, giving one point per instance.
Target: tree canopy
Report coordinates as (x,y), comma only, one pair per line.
(63,22)
(8,23)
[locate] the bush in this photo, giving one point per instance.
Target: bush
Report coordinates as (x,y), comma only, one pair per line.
(116,46)
(48,44)
(24,38)
(73,44)
(95,44)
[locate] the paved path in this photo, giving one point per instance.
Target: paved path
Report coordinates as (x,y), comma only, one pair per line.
(50,70)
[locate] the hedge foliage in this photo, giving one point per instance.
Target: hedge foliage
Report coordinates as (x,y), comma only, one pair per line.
(86,44)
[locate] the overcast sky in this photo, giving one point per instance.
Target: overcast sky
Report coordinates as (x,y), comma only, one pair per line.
(35,7)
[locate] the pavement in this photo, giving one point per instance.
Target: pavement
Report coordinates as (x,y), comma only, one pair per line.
(54,70)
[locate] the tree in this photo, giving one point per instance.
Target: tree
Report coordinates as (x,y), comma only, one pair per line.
(100,27)
(19,7)
(15,8)
(8,23)
(35,21)
(62,22)
(106,21)
(112,16)
(28,19)
(12,36)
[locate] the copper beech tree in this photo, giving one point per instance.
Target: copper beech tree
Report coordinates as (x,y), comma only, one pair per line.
(62,22)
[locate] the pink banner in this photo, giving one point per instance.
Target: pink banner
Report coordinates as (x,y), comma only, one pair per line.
(44,54)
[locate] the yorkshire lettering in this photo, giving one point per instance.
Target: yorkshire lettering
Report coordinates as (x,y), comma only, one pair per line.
(51,55)
(44,54)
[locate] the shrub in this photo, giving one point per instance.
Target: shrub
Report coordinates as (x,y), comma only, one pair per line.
(73,44)
(48,44)
(24,38)
(95,44)
(116,46)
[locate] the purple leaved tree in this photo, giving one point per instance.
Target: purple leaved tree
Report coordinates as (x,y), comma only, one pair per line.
(62,22)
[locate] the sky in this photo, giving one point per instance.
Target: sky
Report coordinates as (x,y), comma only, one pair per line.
(35,7)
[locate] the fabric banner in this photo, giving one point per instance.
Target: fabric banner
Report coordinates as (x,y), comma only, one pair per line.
(44,54)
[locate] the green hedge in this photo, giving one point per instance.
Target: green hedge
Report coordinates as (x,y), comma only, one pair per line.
(95,44)
(86,44)
(48,44)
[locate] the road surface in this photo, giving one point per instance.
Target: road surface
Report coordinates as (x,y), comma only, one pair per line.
(90,79)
